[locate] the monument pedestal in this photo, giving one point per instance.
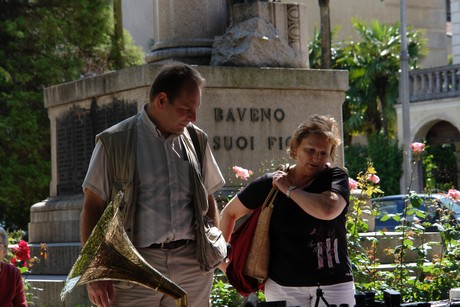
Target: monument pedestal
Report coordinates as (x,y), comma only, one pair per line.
(185,31)
(55,221)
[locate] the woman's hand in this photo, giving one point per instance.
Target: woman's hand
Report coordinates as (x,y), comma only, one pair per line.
(282,181)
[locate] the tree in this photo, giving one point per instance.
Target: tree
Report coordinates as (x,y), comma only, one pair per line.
(44,43)
(315,49)
(325,30)
(373,64)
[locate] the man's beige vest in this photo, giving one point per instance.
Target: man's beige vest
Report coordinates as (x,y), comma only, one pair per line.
(120,143)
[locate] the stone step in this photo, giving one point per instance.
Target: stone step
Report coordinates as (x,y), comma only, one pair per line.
(46,290)
(56,219)
(392,267)
(61,257)
(390,240)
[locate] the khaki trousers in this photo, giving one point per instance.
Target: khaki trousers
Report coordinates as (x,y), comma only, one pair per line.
(179,265)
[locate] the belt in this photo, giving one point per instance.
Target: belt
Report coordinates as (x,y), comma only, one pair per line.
(170,245)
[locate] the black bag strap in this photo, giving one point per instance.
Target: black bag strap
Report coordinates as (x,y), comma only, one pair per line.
(196,145)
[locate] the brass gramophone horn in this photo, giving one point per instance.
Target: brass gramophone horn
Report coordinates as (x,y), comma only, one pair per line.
(109,255)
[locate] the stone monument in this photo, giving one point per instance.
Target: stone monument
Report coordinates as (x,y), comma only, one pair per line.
(249,109)
(264,34)
(184,31)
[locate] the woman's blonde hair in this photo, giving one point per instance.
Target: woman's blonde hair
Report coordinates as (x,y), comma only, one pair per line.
(317,124)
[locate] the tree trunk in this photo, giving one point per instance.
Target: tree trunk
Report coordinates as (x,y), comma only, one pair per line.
(325,34)
(382,87)
(118,33)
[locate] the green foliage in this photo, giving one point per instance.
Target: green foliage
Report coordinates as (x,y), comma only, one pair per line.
(364,261)
(440,164)
(386,157)
(131,54)
(373,64)
(429,167)
(367,190)
(25,168)
(314,48)
(223,294)
(44,43)
(354,156)
(424,280)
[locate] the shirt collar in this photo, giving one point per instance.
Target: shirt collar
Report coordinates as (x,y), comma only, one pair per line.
(152,127)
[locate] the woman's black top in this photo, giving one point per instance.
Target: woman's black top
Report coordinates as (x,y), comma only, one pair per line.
(304,250)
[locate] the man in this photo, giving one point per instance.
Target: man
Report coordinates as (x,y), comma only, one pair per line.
(157,188)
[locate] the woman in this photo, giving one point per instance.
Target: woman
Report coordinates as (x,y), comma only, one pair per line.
(11,286)
(308,247)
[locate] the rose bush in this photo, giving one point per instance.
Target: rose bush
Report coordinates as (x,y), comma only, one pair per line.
(20,256)
(242,173)
(417,148)
(353,184)
(453,194)
(427,278)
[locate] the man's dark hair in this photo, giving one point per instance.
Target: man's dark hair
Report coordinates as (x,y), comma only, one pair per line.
(172,78)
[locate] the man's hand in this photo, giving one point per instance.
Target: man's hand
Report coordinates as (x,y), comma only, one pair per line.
(223,266)
(100,293)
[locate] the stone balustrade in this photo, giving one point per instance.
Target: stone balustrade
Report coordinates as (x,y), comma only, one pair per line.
(434,83)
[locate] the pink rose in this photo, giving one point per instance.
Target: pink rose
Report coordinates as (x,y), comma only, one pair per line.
(373,178)
(454,194)
(242,172)
(417,147)
(353,184)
